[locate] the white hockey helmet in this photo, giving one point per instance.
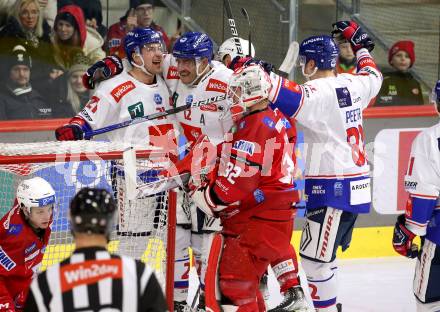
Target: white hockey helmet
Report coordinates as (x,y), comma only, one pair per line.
(248,86)
(229,48)
(35,192)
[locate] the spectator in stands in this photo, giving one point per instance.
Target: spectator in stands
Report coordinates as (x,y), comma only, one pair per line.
(27,27)
(71,34)
(17,98)
(140,14)
(399,85)
(69,96)
(346,60)
(92,10)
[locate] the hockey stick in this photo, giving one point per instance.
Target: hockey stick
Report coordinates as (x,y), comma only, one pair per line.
(171,111)
(290,58)
(246,16)
(233,26)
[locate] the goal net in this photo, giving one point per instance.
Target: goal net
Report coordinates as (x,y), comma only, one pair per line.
(144,225)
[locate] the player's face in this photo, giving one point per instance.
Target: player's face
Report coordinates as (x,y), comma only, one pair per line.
(401,61)
(39,217)
(186,69)
(345,51)
(76,82)
(153,56)
(20,75)
(64,30)
(29,15)
(144,14)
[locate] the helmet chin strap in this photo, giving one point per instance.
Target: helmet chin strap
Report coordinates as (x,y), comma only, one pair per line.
(308,76)
(142,66)
(198,75)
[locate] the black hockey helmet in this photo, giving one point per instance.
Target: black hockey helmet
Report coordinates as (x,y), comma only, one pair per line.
(91,211)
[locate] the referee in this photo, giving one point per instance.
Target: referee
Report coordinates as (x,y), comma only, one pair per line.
(92,279)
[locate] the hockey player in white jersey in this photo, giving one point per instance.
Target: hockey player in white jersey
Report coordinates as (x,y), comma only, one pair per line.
(328,109)
(422,215)
(193,76)
(138,92)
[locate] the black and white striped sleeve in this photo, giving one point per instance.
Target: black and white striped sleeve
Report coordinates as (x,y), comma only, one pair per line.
(35,301)
(151,297)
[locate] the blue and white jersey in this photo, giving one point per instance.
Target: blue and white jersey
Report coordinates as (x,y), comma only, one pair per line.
(422,182)
(329,113)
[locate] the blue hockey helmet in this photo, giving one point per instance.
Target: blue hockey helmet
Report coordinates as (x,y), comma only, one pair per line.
(138,37)
(193,44)
(322,49)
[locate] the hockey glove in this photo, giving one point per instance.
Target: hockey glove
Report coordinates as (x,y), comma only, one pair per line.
(73,131)
(238,62)
(108,67)
(403,239)
(354,34)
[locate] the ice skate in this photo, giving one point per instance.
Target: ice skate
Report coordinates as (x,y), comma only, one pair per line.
(181,306)
(294,301)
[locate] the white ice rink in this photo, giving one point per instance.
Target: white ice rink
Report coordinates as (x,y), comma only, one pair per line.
(368,285)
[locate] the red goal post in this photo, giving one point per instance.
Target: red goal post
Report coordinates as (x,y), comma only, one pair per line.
(69,166)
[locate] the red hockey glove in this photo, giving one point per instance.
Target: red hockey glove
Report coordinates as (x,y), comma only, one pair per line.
(403,239)
(108,67)
(354,34)
(238,62)
(73,131)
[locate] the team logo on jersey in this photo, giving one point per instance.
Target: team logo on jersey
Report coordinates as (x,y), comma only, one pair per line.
(286,123)
(258,195)
(15,229)
(89,272)
(30,248)
(344,97)
(92,104)
(121,90)
(5,261)
(136,110)
(172,73)
(157,98)
(216,86)
(338,189)
(244,146)
(189,99)
(269,122)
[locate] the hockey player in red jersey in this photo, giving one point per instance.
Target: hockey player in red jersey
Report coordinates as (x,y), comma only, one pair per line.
(24,234)
(251,191)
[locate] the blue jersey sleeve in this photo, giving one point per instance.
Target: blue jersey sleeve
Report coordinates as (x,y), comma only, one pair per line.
(286,95)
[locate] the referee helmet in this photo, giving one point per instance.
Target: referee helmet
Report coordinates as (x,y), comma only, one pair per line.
(91,211)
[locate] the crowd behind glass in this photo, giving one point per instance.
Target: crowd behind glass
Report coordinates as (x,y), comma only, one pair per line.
(46,45)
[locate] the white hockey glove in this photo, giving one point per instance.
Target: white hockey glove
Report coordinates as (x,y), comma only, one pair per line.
(202,199)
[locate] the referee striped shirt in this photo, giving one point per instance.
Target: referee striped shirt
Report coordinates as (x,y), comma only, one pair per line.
(93,280)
